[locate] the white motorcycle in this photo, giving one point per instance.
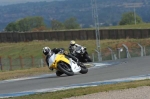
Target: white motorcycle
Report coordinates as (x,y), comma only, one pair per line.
(81,53)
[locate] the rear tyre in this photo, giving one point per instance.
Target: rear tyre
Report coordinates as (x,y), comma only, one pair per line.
(65,68)
(84,69)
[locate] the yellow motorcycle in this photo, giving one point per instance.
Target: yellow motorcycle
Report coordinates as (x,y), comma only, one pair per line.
(66,65)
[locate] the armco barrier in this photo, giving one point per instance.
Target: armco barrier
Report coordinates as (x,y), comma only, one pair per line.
(74,34)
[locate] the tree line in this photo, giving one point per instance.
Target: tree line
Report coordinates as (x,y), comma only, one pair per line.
(36,23)
(109,12)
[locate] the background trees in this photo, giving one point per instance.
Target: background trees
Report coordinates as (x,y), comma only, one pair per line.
(109,12)
(129,18)
(70,23)
(56,25)
(37,24)
(26,24)
(11,27)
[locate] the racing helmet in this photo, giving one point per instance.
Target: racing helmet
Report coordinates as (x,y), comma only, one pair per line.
(46,50)
(72,42)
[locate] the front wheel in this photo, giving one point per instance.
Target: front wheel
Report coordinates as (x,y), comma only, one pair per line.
(59,73)
(65,68)
(84,69)
(88,58)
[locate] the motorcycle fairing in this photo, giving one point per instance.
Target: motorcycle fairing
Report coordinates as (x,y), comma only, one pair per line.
(51,60)
(80,50)
(74,66)
(57,58)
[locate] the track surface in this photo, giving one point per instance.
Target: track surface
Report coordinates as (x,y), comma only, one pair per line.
(119,69)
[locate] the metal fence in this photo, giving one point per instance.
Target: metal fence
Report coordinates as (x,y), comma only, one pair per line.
(123,52)
(9,63)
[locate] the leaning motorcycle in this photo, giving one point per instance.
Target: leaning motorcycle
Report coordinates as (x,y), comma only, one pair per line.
(66,65)
(81,53)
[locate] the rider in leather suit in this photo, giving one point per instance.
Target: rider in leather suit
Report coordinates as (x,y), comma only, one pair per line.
(48,53)
(73,46)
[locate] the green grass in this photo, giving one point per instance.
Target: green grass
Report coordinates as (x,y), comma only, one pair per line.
(137,26)
(23,73)
(34,48)
(85,91)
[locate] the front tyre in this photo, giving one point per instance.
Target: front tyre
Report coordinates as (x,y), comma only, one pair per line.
(65,69)
(84,69)
(59,73)
(88,58)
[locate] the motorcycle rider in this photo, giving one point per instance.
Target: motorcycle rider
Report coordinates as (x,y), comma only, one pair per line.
(73,46)
(48,53)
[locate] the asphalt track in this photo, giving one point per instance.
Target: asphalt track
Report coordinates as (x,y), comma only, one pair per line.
(110,70)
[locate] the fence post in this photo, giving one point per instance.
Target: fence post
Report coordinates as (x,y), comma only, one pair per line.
(119,50)
(142,50)
(112,53)
(99,56)
(32,60)
(10,62)
(1,66)
(93,57)
(21,63)
(127,51)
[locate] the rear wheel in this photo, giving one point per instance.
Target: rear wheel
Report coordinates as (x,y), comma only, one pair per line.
(65,68)
(84,69)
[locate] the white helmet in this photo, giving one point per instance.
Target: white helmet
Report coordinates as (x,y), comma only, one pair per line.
(46,50)
(72,42)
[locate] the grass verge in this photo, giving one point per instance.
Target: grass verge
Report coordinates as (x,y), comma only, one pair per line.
(85,91)
(137,26)
(23,73)
(34,48)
